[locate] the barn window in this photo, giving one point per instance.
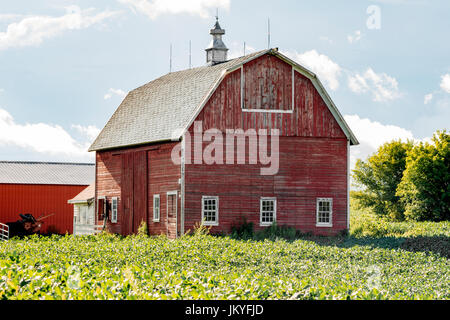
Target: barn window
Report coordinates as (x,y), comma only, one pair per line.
(101,208)
(156,208)
(324,212)
(210,211)
(114,202)
(268,211)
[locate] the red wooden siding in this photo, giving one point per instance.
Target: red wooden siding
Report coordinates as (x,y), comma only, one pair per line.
(134,175)
(38,200)
(108,184)
(268,84)
(310,117)
(164,177)
(312,155)
(127,191)
(310,168)
(313,152)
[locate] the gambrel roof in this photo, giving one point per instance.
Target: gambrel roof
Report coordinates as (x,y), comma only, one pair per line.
(163,109)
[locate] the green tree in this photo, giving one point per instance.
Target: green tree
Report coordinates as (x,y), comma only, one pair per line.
(425,186)
(378,179)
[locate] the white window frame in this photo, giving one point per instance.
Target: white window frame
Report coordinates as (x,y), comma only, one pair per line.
(324,224)
(157,218)
(210,223)
(267,224)
(114,209)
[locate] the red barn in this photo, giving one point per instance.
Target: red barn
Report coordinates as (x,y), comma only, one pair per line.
(42,189)
(168,155)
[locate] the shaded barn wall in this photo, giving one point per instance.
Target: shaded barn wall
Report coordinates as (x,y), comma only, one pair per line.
(134,175)
(313,152)
(38,200)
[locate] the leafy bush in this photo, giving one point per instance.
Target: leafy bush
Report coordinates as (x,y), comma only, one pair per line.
(244,230)
(378,179)
(406,181)
(275,232)
(366,224)
(201,230)
(425,187)
(143,229)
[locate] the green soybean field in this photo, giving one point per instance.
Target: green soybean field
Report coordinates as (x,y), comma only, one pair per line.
(204,267)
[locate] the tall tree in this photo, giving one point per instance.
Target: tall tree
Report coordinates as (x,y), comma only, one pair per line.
(425,186)
(379,177)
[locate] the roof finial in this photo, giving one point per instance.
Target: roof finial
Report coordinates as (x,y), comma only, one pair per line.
(217,50)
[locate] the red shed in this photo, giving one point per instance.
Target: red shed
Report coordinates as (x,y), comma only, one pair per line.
(255,138)
(42,189)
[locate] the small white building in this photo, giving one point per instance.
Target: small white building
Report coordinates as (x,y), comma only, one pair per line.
(84,212)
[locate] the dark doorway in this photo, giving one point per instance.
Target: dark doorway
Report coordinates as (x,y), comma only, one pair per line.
(134,191)
(172,215)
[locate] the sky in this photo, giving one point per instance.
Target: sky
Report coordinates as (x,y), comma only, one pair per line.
(65,66)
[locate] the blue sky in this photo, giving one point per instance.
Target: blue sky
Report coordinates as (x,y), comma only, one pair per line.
(65,66)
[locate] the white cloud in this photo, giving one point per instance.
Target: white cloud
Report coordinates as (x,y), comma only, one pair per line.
(33,30)
(372,135)
(326,69)
(117,92)
(237,50)
(91,132)
(428,98)
(355,37)
(326,39)
(10,17)
(382,86)
(42,138)
(154,8)
(445,82)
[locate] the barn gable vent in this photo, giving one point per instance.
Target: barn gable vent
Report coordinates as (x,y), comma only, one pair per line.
(217,50)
